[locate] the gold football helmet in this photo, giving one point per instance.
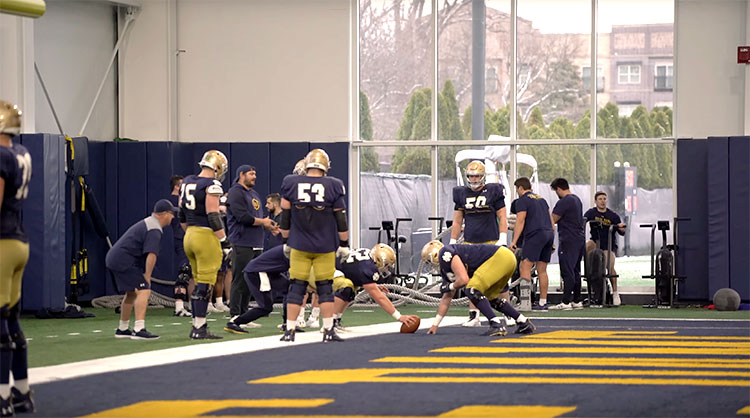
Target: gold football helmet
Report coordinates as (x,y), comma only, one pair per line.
(476,168)
(431,252)
(299,168)
(384,257)
(318,158)
(10,118)
(217,161)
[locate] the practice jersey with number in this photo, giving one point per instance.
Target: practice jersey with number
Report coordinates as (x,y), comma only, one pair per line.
(15,170)
(359,267)
(480,211)
(193,198)
(313,225)
(271,261)
(472,257)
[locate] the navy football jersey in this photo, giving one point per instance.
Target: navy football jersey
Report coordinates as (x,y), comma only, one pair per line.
(480,211)
(571,225)
(607,218)
(15,170)
(271,261)
(537,213)
(359,267)
(472,256)
(193,198)
(134,245)
(313,225)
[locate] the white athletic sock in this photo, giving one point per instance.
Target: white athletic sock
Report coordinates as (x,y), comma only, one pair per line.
(5,391)
(301,316)
(542,301)
(338,315)
(139,325)
(199,322)
(521,318)
(291,324)
(219,301)
(22,385)
(328,323)
(179,305)
(124,325)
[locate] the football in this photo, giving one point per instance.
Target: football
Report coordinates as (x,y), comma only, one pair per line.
(405,329)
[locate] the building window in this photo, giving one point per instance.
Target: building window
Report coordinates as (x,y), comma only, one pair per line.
(626,108)
(586,78)
(490,80)
(663,77)
(629,74)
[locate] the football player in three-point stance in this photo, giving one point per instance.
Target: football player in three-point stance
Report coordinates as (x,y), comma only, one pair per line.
(15,174)
(484,270)
(481,208)
(205,238)
(313,220)
(364,267)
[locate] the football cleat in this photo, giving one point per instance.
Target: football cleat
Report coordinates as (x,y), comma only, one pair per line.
(561,307)
(476,169)
(233,328)
(497,329)
(318,158)
(577,305)
(6,407)
(183,313)
(282,327)
(21,402)
(288,336)
(221,307)
(124,334)
(144,335)
(313,322)
(541,308)
(250,325)
(525,327)
(615,299)
(203,334)
(330,335)
(431,251)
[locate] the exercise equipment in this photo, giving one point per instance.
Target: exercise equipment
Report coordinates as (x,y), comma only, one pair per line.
(664,266)
(726,299)
(596,267)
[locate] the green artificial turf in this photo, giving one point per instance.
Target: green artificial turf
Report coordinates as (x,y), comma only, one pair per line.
(58,341)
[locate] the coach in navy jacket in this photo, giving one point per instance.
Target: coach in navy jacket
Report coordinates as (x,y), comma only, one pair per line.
(246,219)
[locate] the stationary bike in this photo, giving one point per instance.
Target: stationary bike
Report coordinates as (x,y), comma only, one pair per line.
(663,265)
(596,269)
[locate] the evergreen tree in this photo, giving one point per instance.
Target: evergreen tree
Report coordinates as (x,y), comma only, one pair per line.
(368,157)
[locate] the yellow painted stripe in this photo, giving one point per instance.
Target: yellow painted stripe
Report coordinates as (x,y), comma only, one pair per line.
(596,350)
(695,363)
(344,376)
(652,335)
(744,411)
(199,407)
(629,343)
(173,409)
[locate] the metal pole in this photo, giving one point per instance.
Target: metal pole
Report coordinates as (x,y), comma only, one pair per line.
(128,18)
(49,101)
(477,69)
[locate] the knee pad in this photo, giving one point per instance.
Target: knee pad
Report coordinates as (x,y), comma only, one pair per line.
(498,303)
(202,291)
(297,290)
(18,340)
(325,291)
(474,295)
(345,293)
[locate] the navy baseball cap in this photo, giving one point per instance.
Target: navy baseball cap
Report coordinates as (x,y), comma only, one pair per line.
(244,168)
(164,205)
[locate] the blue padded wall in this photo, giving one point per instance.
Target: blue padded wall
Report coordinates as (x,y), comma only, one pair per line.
(96,245)
(692,203)
(132,180)
(718,214)
(158,175)
(44,220)
(110,206)
(739,202)
(284,156)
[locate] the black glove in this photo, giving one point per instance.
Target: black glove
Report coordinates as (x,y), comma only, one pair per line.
(445,287)
(226,248)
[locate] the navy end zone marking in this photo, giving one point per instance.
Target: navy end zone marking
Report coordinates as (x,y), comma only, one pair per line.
(561,371)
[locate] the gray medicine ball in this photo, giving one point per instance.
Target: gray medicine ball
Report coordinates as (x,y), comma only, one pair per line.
(726,299)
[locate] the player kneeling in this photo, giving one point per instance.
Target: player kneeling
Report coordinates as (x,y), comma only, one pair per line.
(484,270)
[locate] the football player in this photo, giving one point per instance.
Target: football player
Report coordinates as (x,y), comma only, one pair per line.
(484,270)
(480,207)
(205,239)
(315,232)
(364,267)
(15,174)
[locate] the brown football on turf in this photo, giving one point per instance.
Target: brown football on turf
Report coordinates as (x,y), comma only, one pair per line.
(410,329)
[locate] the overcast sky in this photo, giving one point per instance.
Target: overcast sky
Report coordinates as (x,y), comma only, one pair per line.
(572,16)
